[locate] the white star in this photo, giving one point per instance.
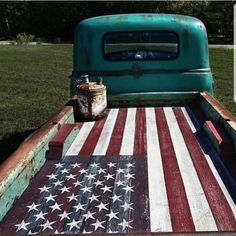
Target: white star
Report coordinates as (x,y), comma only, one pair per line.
(100,170)
(22,225)
(65,215)
(127,206)
(102,206)
(128,188)
(111,165)
(109,176)
(119,170)
(116,198)
(47,225)
(90,176)
(98,182)
(86,189)
(94,198)
(94,164)
(40,215)
(57,183)
(125,224)
(70,177)
(65,189)
(73,224)
(44,189)
(58,165)
(119,183)
(89,215)
(98,224)
(50,197)
(79,207)
(130,176)
(77,183)
(33,207)
(130,165)
(72,197)
(52,176)
(76,165)
(64,171)
(106,189)
(56,207)
(83,171)
(112,215)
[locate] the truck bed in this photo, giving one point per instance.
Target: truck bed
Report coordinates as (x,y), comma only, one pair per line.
(137,170)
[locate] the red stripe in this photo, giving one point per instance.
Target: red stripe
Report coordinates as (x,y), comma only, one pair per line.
(212,128)
(61,135)
(140,144)
(92,139)
(221,210)
(179,209)
(117,135)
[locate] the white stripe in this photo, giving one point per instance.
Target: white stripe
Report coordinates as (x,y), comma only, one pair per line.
(199,207)
(127,145)
(80,139)
(159,209)
(105,136)
(188,119)
(214,171)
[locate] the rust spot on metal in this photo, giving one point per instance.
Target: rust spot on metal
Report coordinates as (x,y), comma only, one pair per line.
(226,115)
(91,100)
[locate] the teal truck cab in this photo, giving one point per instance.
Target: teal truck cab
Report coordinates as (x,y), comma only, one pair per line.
(141,147)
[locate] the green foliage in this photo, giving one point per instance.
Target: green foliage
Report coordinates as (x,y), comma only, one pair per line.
(24,38)
(50,20)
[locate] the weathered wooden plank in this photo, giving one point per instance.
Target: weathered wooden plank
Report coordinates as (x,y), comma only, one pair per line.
(200,209)
(116,138)
(80,139)
(181,218)
(127,145)
(159,208)
(106,133)
(221,211)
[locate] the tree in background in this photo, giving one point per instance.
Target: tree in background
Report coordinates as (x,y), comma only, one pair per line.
(54,20)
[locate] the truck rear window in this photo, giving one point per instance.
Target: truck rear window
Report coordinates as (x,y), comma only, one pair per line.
(140,45)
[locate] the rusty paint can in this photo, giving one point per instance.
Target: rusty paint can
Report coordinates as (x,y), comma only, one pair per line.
(92,100)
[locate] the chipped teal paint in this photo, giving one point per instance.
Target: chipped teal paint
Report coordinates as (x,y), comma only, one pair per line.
(17,181)
(193,54)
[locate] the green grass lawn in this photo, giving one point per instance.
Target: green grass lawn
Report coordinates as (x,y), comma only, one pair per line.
(222,68)
(34,85)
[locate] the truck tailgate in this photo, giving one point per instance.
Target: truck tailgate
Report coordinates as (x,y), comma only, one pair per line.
(137,170)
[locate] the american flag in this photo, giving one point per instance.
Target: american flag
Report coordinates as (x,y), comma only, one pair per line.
(86,195)
(137,170)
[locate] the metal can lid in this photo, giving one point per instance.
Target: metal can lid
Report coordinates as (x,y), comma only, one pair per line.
(92,86)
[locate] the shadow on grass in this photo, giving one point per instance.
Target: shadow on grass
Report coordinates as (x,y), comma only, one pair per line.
(10,143)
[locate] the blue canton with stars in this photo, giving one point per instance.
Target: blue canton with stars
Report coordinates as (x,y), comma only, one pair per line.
(83,195)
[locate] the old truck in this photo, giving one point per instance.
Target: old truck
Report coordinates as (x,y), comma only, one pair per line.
(142,146)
